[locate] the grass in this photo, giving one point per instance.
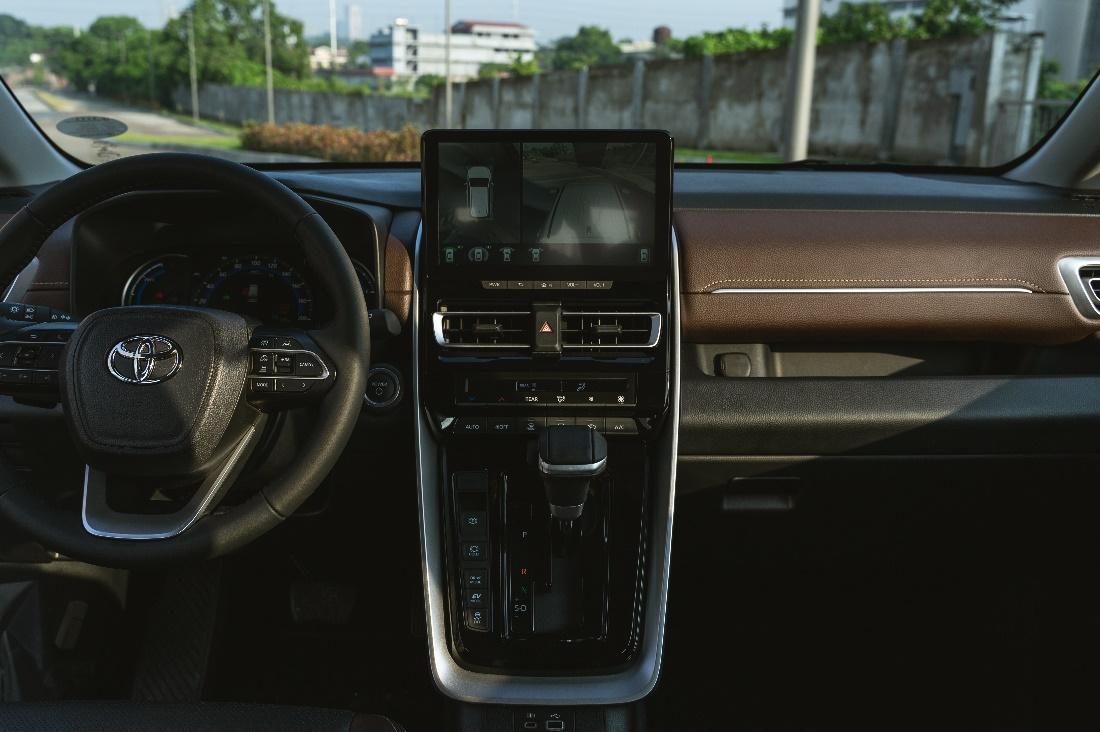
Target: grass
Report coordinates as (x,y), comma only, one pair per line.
(692,155)
(54,102)
(224,142)
(187,119)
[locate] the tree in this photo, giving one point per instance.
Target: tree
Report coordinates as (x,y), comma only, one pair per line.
(863,22)
(591,46)
(116,56)
(947,18)
(518,67)
(229,40)
(735,40)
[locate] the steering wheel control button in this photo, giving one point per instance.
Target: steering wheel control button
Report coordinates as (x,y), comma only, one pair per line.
(285,343)
(306,364)
(261,386)
(284,363)
(263,363)
(293,386)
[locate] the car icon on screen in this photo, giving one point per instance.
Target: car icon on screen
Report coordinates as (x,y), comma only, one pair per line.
(479,191)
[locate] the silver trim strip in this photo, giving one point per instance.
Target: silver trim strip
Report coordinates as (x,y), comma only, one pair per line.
(100,519)
(623,687)
(576,471)
(861,290)
(1070,270)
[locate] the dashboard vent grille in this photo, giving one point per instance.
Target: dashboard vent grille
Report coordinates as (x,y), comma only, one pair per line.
(1090,277)
(482,329)
(599,330)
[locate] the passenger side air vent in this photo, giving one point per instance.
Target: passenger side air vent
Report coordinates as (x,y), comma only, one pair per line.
(482,328)
(1090,278)
(599,330)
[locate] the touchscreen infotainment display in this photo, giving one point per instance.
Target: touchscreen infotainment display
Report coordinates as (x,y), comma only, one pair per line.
(549,202)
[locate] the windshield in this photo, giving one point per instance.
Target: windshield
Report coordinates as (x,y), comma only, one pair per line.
(928,82)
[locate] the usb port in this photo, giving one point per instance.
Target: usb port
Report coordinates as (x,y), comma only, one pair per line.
(554,724)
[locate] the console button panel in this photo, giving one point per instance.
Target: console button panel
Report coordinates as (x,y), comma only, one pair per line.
(471,498)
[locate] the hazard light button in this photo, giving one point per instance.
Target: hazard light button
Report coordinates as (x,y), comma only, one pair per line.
(547,323)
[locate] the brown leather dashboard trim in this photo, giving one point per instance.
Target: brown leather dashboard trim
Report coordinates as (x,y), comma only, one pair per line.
(792,250)
(399,279)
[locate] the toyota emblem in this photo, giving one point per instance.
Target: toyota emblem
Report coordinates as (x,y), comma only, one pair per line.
(144,359)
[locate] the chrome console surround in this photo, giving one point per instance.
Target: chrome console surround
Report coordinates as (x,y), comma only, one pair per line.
(621,687)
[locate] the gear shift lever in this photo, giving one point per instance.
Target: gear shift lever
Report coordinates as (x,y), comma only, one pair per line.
(569,457)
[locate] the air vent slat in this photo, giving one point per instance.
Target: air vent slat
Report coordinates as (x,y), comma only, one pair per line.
(600,330)
(483,329)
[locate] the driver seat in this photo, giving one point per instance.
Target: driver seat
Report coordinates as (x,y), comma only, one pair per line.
(112,716)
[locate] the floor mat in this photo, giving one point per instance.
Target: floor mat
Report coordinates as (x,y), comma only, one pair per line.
(867,608)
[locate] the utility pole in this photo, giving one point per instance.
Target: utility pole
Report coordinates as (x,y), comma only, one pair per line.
(802,80)
(267,63)
(448,98)
(194,65)
(152,71)
(332,30)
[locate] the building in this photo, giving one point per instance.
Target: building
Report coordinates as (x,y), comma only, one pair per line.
(353,23)
(320,58)
(411,52)
(1071,27)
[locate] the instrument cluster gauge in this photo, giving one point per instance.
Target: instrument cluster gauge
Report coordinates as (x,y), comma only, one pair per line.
(260,286)
(165,280)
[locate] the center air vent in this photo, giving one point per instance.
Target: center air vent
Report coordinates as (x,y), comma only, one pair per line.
(482,329)
(598,330)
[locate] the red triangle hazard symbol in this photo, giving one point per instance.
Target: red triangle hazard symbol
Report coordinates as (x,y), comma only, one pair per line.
(545,327)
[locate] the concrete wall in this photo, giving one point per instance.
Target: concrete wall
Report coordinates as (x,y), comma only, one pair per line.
(941,101)
(239,105)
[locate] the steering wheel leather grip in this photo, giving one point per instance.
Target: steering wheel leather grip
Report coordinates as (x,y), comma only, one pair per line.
(345,340)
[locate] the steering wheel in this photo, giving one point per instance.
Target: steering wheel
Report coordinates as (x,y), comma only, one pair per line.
(166,398)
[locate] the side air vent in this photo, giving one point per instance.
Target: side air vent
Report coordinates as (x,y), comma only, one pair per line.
(1090,278)
(482,329)
(599,330)
(1082,278)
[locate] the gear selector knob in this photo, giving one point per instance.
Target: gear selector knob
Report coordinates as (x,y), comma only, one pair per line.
(569,457)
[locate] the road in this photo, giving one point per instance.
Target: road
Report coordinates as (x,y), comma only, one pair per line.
(147,131)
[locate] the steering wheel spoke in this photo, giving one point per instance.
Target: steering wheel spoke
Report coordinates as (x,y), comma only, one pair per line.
(102,519)
(287,369)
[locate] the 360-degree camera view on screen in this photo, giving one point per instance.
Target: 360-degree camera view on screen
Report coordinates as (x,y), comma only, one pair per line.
(547,203)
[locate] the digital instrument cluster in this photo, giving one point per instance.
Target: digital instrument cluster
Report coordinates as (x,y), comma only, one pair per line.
(265,287)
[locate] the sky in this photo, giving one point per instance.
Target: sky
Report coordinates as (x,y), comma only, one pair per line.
(633,19)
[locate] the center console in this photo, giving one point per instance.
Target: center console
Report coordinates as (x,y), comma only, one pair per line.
(547,401)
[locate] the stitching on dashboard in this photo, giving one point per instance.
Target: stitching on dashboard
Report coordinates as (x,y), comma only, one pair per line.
(921,281)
